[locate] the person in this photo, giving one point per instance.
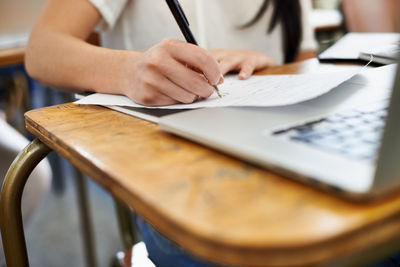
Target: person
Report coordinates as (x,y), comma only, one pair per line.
(145,57)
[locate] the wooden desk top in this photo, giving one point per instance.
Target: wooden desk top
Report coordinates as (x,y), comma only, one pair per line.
(12,56)
(214,205)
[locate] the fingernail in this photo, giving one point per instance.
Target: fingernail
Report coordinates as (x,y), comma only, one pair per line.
(221,80)
(243,75)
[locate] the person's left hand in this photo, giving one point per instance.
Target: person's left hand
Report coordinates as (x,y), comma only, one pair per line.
(246,62)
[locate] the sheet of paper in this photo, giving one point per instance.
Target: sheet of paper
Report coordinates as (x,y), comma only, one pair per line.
(13,40)
(258,91)
(350,46)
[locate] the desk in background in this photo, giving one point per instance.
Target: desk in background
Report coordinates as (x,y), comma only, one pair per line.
(215,206)
(18,98)
(11,56)
(326,20)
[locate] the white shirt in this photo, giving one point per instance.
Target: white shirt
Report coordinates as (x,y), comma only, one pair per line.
(140,24)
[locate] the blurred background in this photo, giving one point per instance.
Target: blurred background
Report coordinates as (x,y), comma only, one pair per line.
(53,232)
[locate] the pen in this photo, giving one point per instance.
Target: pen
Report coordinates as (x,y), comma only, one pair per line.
(183,24)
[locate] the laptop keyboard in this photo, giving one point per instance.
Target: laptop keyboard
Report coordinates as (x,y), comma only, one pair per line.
(356,133)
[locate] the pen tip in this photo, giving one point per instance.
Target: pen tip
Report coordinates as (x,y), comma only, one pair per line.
(217,91)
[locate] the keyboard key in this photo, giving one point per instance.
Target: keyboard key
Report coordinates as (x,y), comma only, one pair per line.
(356,133)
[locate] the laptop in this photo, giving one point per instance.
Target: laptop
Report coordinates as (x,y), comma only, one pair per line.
(358,47)
(346,141)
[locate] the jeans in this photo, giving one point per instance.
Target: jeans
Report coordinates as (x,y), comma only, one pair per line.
(164,253)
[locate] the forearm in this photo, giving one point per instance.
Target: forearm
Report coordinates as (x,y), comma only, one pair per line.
(63,60)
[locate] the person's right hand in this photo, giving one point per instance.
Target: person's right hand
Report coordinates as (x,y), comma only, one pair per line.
(171,72)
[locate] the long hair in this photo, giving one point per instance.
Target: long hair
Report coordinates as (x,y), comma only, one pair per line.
(288,13)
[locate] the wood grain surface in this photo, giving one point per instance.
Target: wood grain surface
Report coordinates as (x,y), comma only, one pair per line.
(215,206)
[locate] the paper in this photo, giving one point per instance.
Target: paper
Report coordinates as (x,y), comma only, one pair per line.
(13,40)
(258,91)
(350,46)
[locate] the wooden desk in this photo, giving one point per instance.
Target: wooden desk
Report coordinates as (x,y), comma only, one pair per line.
(18,94)
(215,206)
(12,56)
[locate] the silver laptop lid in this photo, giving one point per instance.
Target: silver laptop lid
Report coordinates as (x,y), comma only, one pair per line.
(387,174)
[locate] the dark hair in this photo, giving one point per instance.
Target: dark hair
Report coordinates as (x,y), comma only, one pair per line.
(288,13)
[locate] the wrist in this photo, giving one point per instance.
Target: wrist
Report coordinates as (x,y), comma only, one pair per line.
(112,75)
(126,64)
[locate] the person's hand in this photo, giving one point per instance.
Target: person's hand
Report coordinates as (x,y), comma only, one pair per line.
(170,72)
(246,62)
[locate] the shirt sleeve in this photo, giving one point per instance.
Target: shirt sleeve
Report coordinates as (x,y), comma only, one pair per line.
(308,42)
(110,11)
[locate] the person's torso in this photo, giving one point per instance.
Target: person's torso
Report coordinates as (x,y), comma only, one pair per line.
(215,24)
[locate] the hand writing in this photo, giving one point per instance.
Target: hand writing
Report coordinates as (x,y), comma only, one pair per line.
(171,72)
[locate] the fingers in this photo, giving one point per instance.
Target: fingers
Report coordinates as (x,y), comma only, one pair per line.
(246,70)
(221,80)
(246,62)
(163,100)
(270,62)
(194,56)
(153,98)
(176,92)
(158,90)
(184,77)
(229,64)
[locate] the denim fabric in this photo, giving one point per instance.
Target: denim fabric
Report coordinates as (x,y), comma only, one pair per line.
(393,261)
(163,252)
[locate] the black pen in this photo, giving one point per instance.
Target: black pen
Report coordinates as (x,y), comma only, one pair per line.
(183,24)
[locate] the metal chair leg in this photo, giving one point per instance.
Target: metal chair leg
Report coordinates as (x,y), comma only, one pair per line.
(12,231)
(86,219)
(125,224)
